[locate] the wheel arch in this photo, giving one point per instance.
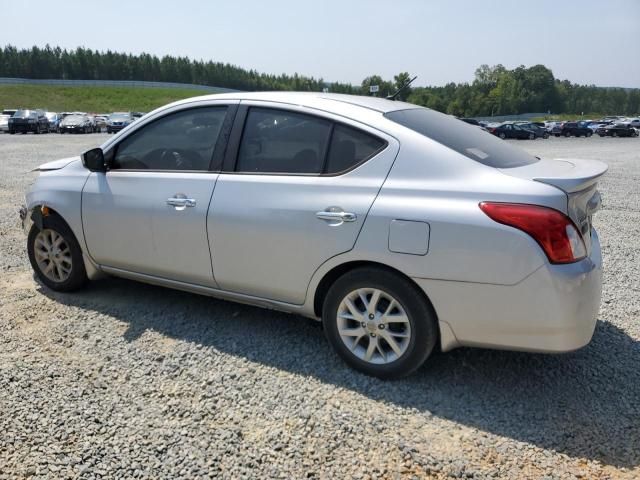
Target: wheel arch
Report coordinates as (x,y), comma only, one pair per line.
(339,270)
(36,214)
(446,339)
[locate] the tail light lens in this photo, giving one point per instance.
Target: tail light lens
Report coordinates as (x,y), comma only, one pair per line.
(553,230)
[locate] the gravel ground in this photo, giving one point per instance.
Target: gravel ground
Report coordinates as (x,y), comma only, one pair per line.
(130,380)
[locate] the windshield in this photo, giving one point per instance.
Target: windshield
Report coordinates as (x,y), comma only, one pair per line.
(119,117)
(24,114)
(468,140)
(72,119)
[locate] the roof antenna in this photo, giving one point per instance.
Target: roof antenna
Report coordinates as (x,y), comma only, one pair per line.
(403,87)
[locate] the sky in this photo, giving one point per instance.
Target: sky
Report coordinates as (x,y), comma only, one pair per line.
(585,41)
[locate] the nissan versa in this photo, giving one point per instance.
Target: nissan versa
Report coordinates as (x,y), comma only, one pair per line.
(399,227)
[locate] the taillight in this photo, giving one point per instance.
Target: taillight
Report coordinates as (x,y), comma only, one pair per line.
(553,230)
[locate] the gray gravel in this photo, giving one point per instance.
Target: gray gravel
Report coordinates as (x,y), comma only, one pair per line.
(130,380)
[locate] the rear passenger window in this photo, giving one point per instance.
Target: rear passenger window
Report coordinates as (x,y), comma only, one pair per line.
(349,147)
(278,141)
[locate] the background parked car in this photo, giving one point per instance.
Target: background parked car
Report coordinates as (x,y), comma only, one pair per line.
(54,121)
(594,125)
(101,122)
(118,120)
(76,124)
(510,130)
(4,123)
(634,122)
(24,121)
(618,130)
(9,111)
(539,131)
(575,129)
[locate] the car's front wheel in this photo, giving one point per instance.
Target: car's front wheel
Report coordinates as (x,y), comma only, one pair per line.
(55,255)
(379,322)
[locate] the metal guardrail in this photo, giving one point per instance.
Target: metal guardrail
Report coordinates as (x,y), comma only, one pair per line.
(111,83)
(508,118)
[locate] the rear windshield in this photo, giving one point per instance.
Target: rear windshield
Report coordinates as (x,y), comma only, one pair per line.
(469,140)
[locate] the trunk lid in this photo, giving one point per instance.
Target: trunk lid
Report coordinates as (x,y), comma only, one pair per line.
(578,179)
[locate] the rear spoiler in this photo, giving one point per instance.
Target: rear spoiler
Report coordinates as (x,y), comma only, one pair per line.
(569,175)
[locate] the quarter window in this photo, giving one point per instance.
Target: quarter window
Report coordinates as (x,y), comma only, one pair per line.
(180,141)
(349,147)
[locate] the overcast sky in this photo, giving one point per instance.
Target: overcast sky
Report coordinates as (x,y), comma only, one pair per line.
(585,41)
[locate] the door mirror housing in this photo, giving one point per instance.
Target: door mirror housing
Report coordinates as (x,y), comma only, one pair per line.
(94,160)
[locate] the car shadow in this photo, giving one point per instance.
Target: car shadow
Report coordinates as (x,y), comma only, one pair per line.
(584,404)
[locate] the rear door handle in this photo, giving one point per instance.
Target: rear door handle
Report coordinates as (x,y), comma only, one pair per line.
(333,215)
(180,201)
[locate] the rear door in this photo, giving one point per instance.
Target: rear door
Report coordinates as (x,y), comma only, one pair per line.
(295,191)
(147,214)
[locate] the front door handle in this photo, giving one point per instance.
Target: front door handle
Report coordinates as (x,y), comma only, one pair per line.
(180,201)
(336,215)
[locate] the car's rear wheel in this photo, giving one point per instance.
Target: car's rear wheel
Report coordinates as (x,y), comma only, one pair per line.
(379,322)
(502,135)
(567,134)
(589,134)
(55,255)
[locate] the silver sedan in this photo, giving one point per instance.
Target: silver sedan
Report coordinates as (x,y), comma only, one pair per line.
(400,228)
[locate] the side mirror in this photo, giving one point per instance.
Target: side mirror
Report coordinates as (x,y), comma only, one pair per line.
(94,160)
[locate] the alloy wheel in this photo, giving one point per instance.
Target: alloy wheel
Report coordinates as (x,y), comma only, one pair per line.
(373,325)
(53,255)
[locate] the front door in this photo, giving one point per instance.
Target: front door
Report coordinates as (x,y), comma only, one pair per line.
(148,213)
(298,195)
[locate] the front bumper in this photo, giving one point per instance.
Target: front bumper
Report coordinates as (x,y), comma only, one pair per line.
(23,127)
(25,219)
(72,128)
(554,309)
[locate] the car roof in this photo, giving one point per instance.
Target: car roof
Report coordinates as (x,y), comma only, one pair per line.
(311,99)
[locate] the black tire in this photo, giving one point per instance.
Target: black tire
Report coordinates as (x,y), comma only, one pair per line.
(567,134)
(589,134)
(502,135)
(614,134)
(37,131)
(532,136)
(78,275)
(421,316)
(545,135)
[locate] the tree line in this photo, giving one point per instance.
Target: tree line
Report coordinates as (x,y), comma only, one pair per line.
(495,90)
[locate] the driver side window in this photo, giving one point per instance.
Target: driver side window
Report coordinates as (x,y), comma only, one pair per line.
(183,140)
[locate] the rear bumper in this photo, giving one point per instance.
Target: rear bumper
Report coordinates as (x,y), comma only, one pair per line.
(552,310)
